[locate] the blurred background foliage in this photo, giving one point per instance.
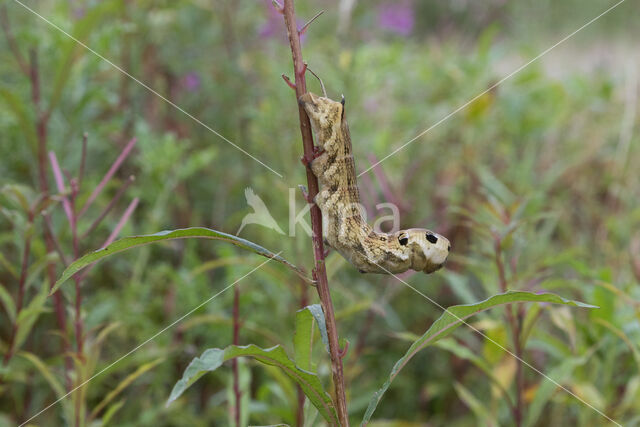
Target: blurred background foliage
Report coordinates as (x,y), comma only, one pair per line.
(538,177)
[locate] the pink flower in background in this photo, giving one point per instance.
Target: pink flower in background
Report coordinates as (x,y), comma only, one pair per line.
(396,17)
(191,81)
(273,22)
(273,25)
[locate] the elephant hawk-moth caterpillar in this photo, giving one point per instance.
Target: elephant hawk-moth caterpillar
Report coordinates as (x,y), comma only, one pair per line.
(339,200)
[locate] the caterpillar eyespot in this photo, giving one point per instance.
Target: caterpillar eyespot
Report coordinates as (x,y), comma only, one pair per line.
(339,200)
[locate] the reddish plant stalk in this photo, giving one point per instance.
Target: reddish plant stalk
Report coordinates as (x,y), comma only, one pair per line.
(70,210)
(41,122)
(234,362)
(515,326)
(107,177)
(320,273)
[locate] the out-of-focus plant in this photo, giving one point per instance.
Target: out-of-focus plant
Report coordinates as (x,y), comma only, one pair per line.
(533,183)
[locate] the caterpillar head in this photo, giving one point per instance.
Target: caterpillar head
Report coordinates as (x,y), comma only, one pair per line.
(323,112)
(427,250)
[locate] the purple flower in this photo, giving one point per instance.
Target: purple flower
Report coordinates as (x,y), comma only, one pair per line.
(396,17)
(273,25)
(191,81)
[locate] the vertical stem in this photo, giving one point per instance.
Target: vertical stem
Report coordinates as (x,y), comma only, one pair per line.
(234,362)
(320,272)
(78,280)
(515,326)
(41,129)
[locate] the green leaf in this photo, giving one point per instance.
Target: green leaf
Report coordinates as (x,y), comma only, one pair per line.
(212,358)
(465,353)
(450,320)
(303,339)
(476,406)
(23,116)
(183,233)
(72,49)
(7,302)
(6,264)
(311,312)
(122,385)
(109,413)
(28,316)
(46,373)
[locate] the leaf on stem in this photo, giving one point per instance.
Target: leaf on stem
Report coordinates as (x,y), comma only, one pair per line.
(213,358)
(450,320)
(303,337)
(183,233)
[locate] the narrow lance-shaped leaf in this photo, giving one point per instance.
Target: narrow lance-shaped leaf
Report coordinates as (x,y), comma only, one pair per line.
(123,385)
(315,310)
(450,320)
(7,301)
(213,358)
(303,339)
(183,233)
(29,315)
(46,373)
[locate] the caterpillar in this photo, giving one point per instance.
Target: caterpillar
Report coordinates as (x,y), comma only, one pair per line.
(346,231)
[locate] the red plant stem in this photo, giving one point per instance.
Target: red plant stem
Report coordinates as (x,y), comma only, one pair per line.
(320,271)
(123,220)
(83,159)
(515,326)
(112,170)
(70,211)
(634,251)
(234,362)
(57,174)
(42,120)
(121,223)
(111,204)
(49,228)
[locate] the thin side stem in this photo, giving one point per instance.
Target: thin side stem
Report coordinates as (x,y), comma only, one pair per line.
(112,170)
(515,326)
(111,204)
(320,273)
(70,210)
(83,159)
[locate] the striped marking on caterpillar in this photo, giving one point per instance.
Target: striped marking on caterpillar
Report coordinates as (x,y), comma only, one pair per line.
(339,200)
